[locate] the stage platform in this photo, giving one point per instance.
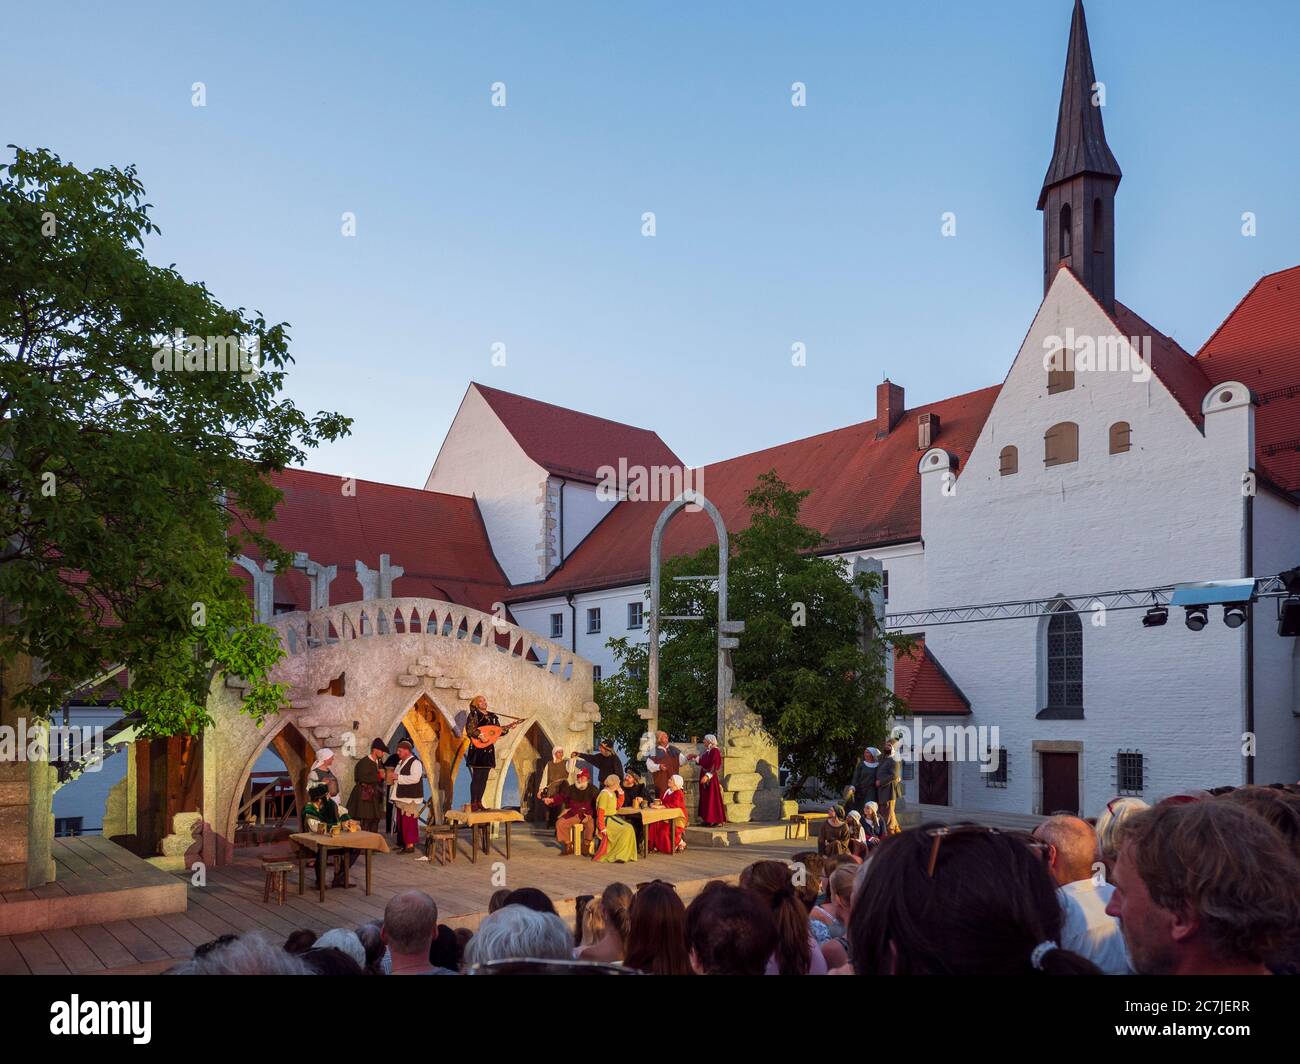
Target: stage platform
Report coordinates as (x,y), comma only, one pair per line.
(231,902)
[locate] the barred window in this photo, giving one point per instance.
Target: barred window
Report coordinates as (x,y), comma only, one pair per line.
(909,769)
(1064,660)
(998,776)
(1129,772)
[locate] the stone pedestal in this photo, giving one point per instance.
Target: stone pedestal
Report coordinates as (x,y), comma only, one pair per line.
(750,768)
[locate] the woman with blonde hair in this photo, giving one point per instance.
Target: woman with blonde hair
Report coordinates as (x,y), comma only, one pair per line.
(615,906)
(616,839)
(1110,829)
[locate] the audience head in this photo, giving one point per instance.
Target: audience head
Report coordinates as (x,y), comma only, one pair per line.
(331,961)
(615,904)
(656,937)
(1111,825)
(517,933)
(445,951)
(1071,848)
(372,940)
(591,923)
(773,882)
(248,954)
(409,921)
(498,899)
(300,941)
(730,931)
(843,880)
(1205,887)
(959,900)
(809,885)
(345,941)
(530,898)
(1279,807)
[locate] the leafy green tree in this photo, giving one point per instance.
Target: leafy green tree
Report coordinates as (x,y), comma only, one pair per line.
(811,661)
(132,464)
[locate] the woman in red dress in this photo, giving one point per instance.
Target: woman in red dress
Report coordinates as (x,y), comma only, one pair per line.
(667,836)
(711,812)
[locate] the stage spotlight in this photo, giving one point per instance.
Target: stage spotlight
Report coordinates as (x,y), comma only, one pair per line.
(1234,616)
(1197,618)
(1288,616)
(1155,617)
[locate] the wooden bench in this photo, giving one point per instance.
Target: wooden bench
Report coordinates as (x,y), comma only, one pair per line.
(277,878)
(440,843)
(806,819)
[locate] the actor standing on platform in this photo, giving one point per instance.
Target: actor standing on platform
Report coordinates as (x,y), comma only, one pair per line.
(408,795)
(889,787)
(604,761)
(479,760)
(862,788)
(367,800)
(664,763)
(577,805)
(669,836)
(710,762)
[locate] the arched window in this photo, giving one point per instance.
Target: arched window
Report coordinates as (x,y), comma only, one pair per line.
(1064,660)
(1008,461)
(1098,226)
(1061,444)
(1120,437)
(1065,231)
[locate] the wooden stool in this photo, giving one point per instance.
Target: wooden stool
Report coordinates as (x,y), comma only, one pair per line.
(277,877)
(440,843)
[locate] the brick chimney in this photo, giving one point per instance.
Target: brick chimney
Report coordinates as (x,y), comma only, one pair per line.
(927,431)
(889,407)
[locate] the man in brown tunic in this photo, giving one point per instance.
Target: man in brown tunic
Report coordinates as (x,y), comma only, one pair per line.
(369,797)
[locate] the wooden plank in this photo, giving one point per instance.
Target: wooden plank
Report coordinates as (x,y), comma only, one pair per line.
(79,957)
(11,961)
(186,928)
(139,945)
(173,944)
(255,918)
(73,862)
(122,858)
(40,956)
(107,948)
(213,924)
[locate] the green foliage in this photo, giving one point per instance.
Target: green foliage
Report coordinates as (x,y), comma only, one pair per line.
(811,661)
(120,477)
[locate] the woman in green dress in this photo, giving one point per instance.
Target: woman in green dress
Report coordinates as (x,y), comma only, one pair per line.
(616,835)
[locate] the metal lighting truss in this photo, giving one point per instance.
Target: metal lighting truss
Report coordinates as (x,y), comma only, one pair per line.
(1266,587)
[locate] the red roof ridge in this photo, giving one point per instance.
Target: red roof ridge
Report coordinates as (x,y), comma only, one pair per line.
(1219,328)
(419,492)
(556,406)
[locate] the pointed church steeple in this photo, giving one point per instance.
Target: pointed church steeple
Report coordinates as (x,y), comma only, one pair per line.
(1078,195)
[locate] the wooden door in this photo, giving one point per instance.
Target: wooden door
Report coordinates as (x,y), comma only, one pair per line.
(1060,783)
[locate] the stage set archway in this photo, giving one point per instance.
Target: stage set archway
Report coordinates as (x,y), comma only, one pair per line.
(359,670)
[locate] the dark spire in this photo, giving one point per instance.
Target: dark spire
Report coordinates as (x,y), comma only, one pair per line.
(1081,146)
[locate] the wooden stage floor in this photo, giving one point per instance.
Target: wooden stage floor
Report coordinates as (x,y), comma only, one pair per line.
(231,901)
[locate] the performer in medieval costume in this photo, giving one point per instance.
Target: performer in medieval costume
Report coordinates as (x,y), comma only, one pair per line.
(872,825)
(408,795)
(577,805)
(367,800)
(322,771)
(669,836)
(390,810)
(604,761)
(480,760)
(319,815)
(836,833)
(711,812)
(633,795)
(862,788)
(616,841)
(664,763)
(889,787)
(555,773)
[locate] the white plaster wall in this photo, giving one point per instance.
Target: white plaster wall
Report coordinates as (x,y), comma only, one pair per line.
(479,457)
(536,616)
(581,511)
(1277,694)
(1168,510)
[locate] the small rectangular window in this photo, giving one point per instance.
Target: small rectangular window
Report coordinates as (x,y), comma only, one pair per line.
(634,614)
(1060,376)
(593,620)
(557,625)
(1130,777)
(884,584)
(998,776)
(596,673)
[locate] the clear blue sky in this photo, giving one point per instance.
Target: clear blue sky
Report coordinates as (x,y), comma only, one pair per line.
(775,224)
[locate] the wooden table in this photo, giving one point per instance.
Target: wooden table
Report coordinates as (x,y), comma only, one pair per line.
(308,842)
(650,814)
(480,827)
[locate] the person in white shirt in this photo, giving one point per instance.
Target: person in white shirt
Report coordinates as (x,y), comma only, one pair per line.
(1072,860)
(407,795)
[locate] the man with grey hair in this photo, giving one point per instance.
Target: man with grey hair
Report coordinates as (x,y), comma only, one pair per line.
(410,922)
(516,933)
(1088,930)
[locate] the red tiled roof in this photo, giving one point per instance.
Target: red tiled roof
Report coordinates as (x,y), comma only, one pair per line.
(1177,370)
(1258,344)
(438,539)
(864,492)
(921,682)
(570,444)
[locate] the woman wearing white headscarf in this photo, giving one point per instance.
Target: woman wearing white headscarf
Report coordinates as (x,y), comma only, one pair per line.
(669,836)
(712,812)
(322,771)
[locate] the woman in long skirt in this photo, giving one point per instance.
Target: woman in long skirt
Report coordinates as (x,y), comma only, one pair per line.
(711,811)
(616,839)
